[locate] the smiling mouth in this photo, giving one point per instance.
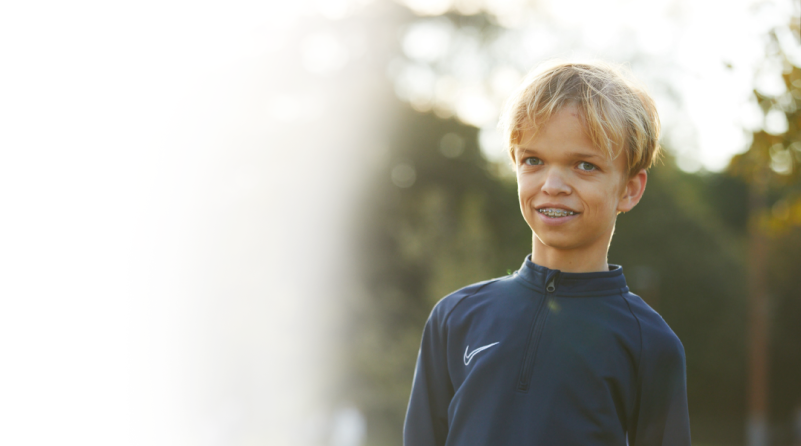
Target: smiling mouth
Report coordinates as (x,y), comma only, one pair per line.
(555,213)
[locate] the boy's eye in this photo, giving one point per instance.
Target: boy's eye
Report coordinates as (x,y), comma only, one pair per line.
(586,166)
(531,161)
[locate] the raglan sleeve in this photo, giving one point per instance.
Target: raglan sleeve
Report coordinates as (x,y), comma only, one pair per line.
(662,417)
(427,414)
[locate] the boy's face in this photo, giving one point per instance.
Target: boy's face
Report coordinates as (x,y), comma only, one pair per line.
(570,191)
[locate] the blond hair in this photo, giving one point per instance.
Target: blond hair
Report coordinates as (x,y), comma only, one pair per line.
(618,114)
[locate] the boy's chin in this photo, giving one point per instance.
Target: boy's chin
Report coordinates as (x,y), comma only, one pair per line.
(559,242)
(572,242)
(558,246)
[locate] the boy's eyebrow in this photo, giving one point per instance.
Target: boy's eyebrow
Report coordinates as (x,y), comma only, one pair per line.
(583,155)
(525,150)
(570,154)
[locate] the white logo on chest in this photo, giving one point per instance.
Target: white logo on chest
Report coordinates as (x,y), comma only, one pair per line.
(468,357)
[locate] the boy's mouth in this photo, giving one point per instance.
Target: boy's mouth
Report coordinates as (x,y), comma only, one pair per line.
(555,212)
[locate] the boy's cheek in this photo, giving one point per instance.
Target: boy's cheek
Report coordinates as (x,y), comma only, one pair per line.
(527,199)
(525,183)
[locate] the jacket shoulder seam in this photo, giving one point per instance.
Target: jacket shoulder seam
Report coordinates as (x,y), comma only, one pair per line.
(640,377)
(639,329)
(462,299)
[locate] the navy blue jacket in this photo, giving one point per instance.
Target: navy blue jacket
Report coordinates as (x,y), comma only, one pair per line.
(548,358)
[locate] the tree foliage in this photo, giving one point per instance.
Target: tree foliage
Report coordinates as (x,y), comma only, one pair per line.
(772,169)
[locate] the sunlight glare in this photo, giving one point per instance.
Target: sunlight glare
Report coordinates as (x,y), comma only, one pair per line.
(491,144)
(776,122)
(586,12)
(474,108)
(427,41)
(324,53)
(428,7)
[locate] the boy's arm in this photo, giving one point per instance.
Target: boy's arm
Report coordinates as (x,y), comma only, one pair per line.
(427,415)
(662,418)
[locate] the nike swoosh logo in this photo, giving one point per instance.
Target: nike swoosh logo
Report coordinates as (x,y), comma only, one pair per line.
(467,357)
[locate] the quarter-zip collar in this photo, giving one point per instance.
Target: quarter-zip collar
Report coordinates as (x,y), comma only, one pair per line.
(572,284)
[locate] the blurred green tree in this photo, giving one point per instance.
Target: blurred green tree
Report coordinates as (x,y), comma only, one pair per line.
(770,167)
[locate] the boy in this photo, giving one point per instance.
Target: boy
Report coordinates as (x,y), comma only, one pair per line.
(559,353)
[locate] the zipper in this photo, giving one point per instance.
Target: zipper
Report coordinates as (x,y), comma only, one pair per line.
(540,318)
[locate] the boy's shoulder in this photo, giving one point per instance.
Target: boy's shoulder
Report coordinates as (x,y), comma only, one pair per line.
(445,306)
(656,335)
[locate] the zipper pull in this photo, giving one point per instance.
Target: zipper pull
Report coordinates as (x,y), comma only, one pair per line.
(551,283)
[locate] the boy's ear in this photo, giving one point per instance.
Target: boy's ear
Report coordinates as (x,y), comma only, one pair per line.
(632,192)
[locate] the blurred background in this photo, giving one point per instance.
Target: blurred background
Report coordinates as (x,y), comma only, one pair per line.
(225,223)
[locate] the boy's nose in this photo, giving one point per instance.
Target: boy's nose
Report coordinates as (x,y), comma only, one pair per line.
(554,183)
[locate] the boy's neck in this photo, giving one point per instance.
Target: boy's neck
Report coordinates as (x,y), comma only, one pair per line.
(570,261)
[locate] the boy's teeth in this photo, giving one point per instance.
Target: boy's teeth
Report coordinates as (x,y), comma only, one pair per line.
(552,212)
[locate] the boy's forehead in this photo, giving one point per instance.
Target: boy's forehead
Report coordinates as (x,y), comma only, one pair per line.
(531,144)
(530,139)
(566,121)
